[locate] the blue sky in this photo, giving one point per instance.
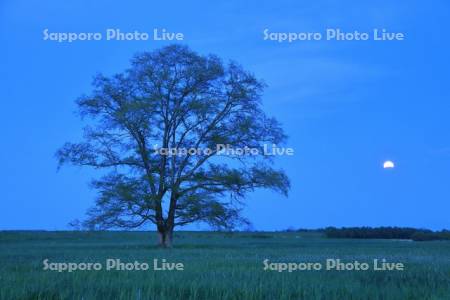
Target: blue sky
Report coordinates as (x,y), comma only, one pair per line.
(346,105)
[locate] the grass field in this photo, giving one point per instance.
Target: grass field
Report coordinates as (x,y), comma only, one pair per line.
(218,266)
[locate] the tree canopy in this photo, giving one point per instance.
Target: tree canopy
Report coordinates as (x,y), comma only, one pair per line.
(174,98)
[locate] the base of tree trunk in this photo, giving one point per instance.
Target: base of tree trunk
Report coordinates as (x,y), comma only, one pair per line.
(165,239)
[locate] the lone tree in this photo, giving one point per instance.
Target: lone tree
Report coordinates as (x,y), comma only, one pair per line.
(175,99)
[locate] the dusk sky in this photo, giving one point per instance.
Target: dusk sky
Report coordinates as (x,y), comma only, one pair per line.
(347,106)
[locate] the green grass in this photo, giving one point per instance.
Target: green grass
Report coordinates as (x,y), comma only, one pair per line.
(218,266)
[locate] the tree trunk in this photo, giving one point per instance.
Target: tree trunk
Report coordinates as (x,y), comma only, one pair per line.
(165,237)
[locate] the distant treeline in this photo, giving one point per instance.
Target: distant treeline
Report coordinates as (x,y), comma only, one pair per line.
(408,233)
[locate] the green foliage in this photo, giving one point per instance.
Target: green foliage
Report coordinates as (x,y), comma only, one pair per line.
(174,98)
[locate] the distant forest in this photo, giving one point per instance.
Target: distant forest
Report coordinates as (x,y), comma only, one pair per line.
(407,233)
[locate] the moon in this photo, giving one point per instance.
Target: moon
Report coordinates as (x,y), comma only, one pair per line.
(388,164)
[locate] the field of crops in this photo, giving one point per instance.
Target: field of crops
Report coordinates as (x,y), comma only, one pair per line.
(218,266)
